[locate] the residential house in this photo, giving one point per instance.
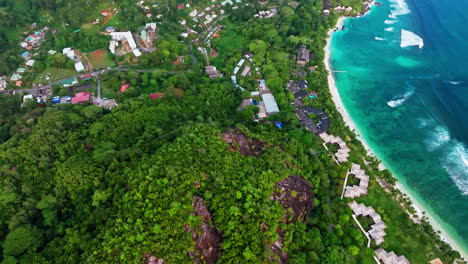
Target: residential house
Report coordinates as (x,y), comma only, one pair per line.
(262,85)
(30,63)
(110,29)
(300,94)
(124,87)
(15,77)
(148,36)
(3,83)
(28,97)
(81,97)
(79,67)
(25,55)
(213,72)
(156,96)
(303,56)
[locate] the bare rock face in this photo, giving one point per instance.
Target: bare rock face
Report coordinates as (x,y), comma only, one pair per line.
(207,238)
(277,248)
(150,259)
(239,141)
(296,195)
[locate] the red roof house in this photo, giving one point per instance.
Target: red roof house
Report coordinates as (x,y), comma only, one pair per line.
(105,12)
(181,6)
(156,96)
(124,87)
(19,83)
(80,97)
(86,76)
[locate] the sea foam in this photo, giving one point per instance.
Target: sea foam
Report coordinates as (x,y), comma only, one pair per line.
(389,29)
(455,162)
(389,22)
(438,138)
(409,38)
(379,38)
(399,8)
(399,100)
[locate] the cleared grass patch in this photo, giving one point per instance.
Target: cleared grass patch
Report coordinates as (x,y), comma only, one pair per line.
(53,74)
(100,59)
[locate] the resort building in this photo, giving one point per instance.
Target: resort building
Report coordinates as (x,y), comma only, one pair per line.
(377,229)
(303,56)
(271,106)
(343,153)
(390,257)
(356,190)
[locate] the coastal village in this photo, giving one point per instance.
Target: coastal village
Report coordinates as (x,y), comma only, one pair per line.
(200,28)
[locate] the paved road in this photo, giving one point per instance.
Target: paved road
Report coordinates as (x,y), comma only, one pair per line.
(94,73)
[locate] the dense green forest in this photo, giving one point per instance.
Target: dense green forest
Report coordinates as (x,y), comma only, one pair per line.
(187,178)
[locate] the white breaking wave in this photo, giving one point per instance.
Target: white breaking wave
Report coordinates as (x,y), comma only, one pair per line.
(379,38)
(439,137)
(389,22)
(390,29)
(399,8)
(455,82)
(455,162)
(408,38)
(399,100)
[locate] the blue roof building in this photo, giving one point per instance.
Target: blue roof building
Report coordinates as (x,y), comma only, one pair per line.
(25,54)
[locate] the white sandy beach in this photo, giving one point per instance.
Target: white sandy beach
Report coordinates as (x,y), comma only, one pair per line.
(349,122)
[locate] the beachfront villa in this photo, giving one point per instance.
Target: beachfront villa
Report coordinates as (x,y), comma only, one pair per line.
(356,191)
(390,257)
(343,153)
(377,229)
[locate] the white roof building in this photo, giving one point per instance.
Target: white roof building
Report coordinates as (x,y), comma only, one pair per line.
(151,25)
(136,52)
(390,257)
(270,103)
(69,53)
(127,35)
(30,63)
(112,46)
(3,83)
(28,97)
(79,66)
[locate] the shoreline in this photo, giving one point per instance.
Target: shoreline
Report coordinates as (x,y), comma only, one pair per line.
(420,210)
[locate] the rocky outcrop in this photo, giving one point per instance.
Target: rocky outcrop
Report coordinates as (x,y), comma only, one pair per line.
(245,145)
(296,195)
(207,238)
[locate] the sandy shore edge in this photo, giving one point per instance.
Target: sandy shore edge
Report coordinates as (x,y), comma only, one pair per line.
(349,122)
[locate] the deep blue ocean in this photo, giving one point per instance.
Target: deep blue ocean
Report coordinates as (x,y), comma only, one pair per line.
(410,103)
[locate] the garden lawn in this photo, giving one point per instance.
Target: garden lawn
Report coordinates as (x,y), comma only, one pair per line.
(54,74)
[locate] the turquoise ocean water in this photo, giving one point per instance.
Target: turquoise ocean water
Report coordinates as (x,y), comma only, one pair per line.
(411,103)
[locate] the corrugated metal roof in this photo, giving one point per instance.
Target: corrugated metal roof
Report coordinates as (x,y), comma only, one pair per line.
(270,103)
